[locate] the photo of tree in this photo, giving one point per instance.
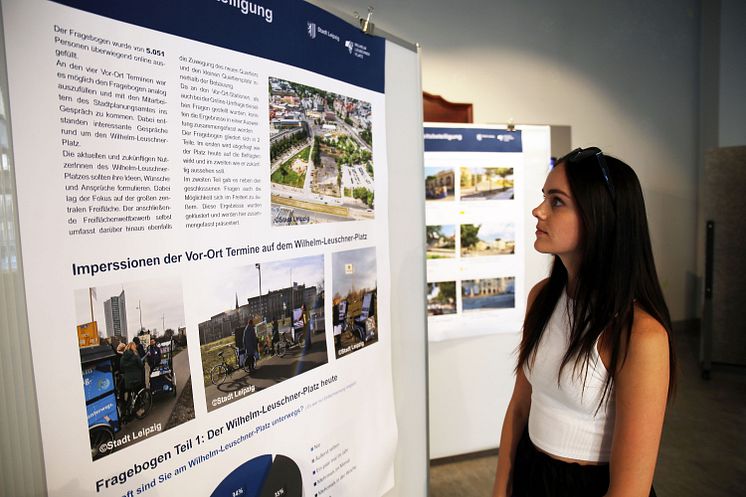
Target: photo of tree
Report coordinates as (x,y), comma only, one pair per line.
(441,241)
(479,240)
(441,298)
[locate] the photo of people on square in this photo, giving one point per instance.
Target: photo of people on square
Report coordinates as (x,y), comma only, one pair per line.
(263,323)
(355,306)
(134,361)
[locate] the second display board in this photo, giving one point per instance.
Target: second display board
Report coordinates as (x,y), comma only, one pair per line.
(480,185)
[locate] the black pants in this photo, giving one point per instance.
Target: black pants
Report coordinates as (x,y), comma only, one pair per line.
(536,474)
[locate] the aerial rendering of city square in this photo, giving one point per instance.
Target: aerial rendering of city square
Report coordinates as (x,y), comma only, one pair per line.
(321,155)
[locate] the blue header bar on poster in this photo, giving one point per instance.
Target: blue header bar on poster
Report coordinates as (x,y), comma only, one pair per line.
(288,31)
(472,140)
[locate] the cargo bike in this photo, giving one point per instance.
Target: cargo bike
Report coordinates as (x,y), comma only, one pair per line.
(106,408)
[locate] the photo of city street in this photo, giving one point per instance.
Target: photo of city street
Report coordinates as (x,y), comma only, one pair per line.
(489,293)
(441,241)
(440,183)
(480,240)
(134,361)
(486,183)
(441,298)
(321,155)
(355,302)
(262,324)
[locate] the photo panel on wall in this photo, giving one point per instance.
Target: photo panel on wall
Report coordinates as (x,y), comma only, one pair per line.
(440,183)
(488,294)
(486,183)
(262,323)
(355,305)
(321,155)
(134,361)
(441,241)
(441,298)
(492,238)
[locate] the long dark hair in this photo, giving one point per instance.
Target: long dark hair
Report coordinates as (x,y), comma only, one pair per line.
(616,269)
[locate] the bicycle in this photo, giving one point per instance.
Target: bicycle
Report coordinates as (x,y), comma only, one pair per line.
(138,404)
(219,372)
(101,438)
(284,343)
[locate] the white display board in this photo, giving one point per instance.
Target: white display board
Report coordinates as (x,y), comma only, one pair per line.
(154,200)
(484,380)
(478,182)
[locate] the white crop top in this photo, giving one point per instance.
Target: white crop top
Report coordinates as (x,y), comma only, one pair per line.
(563,419)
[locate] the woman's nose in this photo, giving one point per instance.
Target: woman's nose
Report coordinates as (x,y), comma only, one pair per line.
(538,211)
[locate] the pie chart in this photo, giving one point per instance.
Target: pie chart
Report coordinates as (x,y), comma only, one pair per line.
(263,476)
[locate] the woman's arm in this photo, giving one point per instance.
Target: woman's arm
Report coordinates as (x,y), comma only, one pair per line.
(641,390)
(516,417)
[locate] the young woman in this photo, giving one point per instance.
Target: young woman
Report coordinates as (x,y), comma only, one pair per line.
(595,364)
(133,371)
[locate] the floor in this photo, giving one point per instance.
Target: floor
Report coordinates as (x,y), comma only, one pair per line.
(703,450)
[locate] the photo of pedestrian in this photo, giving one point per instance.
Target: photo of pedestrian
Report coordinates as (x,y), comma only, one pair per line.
(262,323)
(153,354)
(249,346)
(133,392)
(132,370)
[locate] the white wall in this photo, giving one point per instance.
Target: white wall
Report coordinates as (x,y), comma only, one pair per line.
(624,75)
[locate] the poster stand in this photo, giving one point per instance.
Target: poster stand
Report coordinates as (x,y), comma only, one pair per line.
(24,472)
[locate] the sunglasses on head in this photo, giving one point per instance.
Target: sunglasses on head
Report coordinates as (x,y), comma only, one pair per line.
(580,154)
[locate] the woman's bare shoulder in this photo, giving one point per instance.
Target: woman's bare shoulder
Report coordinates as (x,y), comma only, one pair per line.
(535,291)
(648,338)
(645,325)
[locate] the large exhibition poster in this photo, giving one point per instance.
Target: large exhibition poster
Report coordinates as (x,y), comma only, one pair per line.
(480,183)
(203,215)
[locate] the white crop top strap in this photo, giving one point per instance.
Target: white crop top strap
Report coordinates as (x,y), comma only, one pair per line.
(565,419)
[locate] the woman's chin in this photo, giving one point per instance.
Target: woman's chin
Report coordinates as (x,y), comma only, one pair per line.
(541,246)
